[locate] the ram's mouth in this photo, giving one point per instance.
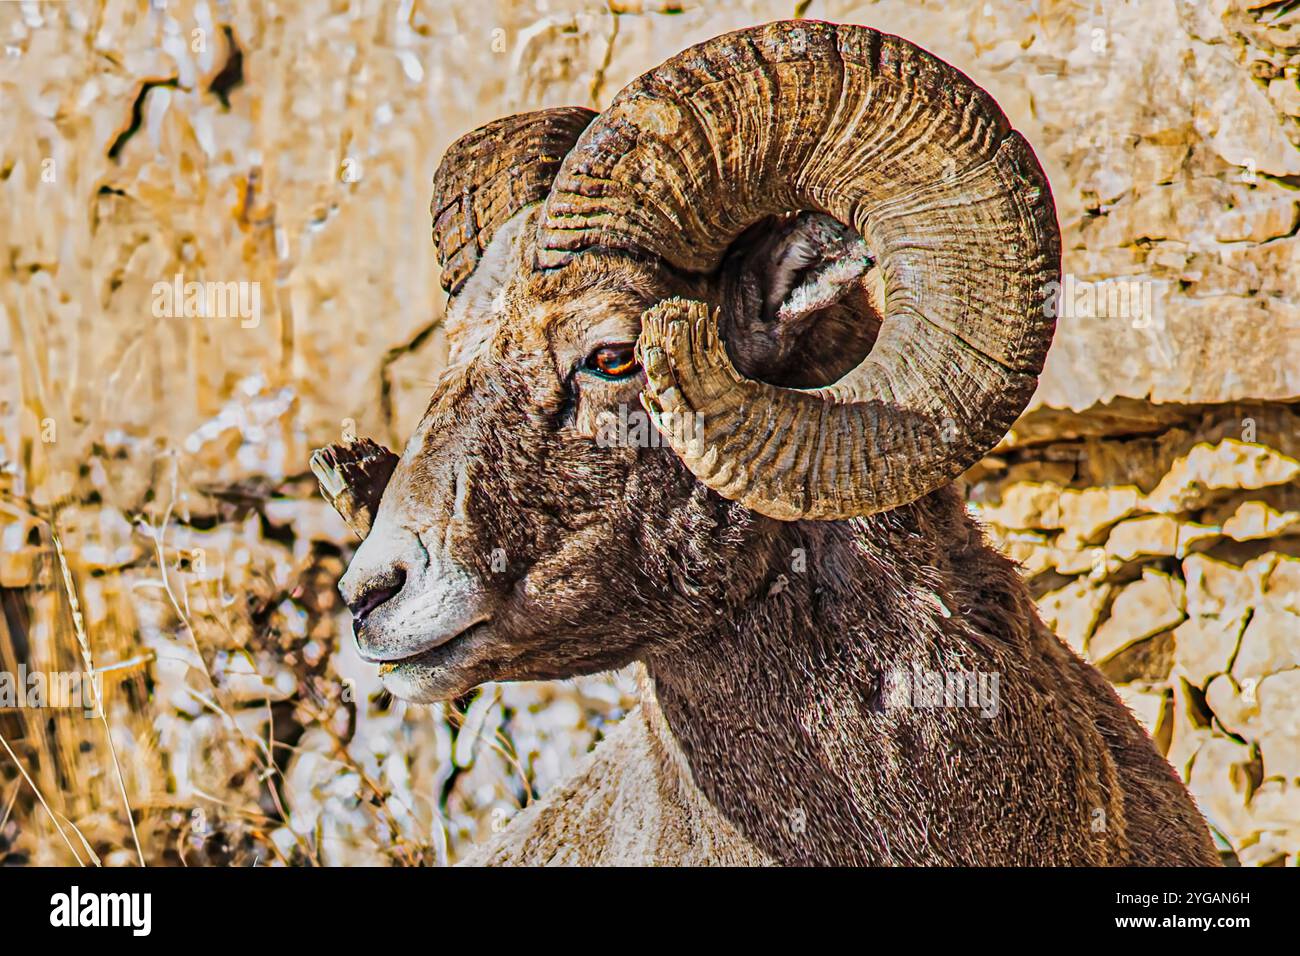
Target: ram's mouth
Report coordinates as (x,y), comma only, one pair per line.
(445,656)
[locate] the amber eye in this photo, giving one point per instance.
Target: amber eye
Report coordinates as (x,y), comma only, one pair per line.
(613,361)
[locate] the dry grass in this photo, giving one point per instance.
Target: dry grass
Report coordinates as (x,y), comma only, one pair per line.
(236,725)
(228,735)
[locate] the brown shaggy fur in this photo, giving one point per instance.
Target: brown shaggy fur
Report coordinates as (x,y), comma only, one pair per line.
(780,714)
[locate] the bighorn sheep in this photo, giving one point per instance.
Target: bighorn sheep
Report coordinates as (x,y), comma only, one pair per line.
(725,244)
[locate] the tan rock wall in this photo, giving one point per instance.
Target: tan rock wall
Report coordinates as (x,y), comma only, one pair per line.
(1170,559)
(1152,493)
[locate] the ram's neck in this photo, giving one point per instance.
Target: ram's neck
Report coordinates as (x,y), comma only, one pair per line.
(781,715)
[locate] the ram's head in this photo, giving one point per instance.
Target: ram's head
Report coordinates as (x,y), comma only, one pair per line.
(820,259)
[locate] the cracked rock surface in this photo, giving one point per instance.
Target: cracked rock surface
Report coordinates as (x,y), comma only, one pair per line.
(1152,492)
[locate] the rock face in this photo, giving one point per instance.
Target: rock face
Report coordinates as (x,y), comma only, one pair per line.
(1152,492)
(1188,602)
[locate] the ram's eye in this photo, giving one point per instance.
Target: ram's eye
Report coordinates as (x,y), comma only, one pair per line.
(613,361)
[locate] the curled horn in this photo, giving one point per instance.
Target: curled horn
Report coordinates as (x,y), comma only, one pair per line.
(886,138)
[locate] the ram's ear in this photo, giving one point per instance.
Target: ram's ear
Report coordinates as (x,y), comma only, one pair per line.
(800,300)
(352,478)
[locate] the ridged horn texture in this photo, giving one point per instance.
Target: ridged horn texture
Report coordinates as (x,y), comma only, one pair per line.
(489,175)
(352,477)
(886,138)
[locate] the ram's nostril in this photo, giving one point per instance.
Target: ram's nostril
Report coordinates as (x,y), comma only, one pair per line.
(375,594)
